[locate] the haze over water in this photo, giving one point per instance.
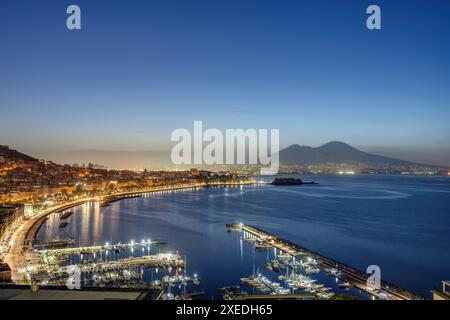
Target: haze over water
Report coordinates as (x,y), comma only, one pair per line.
(400,223)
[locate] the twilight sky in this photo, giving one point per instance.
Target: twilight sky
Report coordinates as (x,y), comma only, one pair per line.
(140,69)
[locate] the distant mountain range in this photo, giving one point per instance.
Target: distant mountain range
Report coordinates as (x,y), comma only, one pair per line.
(336,153)
(333,153)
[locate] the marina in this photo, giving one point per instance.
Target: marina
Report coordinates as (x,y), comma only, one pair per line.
(95,258)
(162,260)
(313,263)
(104,266)
(180,219)
(64,252)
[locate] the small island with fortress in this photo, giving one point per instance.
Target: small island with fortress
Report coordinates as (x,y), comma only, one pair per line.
(290,182)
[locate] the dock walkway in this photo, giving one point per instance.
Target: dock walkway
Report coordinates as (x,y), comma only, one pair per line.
(161,260)
(356,277)
(99,249)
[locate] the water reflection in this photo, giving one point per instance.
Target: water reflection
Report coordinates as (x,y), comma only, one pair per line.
(360,231)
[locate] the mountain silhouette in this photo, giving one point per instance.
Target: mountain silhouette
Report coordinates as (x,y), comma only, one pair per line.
(336,153)
(11,154)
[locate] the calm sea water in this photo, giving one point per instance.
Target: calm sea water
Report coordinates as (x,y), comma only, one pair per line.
(401,223)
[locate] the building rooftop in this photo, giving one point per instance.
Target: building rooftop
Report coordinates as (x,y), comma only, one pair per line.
(442,293)
(14,292)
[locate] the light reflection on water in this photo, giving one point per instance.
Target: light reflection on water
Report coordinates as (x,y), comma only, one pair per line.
(398,222)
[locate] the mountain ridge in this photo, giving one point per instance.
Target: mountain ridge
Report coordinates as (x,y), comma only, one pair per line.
(14,154)
(337,152)
(333,153)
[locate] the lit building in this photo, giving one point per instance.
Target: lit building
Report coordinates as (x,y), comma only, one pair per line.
(28,210)
(444,294)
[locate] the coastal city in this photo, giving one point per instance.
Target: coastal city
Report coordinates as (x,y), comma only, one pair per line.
(224,158)
(33,190)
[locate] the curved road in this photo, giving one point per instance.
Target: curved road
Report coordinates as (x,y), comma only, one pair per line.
(18,254)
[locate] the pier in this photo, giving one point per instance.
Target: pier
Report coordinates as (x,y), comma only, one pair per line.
(161,260)
(55,244)
(51,259)
(347,273)
(99,249)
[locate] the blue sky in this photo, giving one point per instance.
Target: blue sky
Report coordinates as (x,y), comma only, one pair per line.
(140,69)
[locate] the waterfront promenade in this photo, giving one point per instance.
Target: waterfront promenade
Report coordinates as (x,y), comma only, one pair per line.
(18,255)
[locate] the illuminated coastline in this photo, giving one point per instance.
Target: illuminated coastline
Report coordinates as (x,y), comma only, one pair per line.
(21,241)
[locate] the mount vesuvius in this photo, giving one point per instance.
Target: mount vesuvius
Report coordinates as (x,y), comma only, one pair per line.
(337,153)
